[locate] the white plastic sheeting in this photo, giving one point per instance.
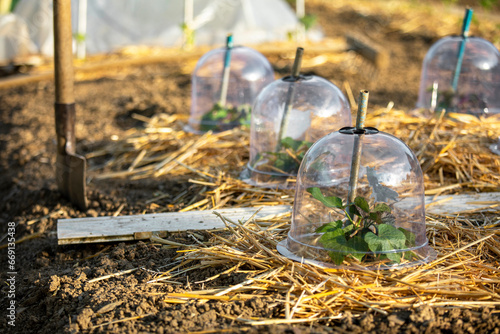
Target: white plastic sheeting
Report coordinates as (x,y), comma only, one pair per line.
(112,24)
(14,38)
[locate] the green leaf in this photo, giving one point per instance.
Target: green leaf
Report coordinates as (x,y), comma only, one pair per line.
(362,204)
(329,227)
(341,247)
(363,232)
(285,163)
(295,145)
(376,217)
(337,257)
(217,113)
(79,37)
(357,247)
(382,207)
(349,228)
(291,143)
(352,210)
(304,146)
(410,237)
(409,256)
(394,257)
(330,201)
(388,239)
(225,115)
(334,240)
(309,20)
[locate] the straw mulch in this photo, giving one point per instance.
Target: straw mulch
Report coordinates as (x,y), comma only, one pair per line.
(453,151)
(466,274)
(454,154)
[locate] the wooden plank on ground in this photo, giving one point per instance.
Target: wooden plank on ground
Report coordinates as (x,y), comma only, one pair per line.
(369,50)
(463,203)
(123,228)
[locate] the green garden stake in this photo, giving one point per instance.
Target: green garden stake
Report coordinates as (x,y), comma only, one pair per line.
(295,75)
(225,73)
(356,151)
(461,50)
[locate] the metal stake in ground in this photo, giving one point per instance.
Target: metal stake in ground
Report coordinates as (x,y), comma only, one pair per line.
(225,73)
(461,50)
(356,150)
(70,167)
(289,96)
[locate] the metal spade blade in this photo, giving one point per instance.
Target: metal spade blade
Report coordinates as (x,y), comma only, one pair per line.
(70,167)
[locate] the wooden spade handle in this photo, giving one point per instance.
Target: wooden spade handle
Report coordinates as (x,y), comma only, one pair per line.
(63,52)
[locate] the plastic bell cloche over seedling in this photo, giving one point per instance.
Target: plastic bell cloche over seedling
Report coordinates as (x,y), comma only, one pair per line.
(359,202)
(289,116)
(495,147)
(461,74)
(225,83)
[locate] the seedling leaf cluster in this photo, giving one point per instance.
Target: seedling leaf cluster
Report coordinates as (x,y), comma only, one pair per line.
(221,118)
(367,233)
(288,158)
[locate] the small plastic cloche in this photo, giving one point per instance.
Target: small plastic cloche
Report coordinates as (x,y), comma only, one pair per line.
(289,115)
(461,74)
(359,202)
(225,83)
(495,147)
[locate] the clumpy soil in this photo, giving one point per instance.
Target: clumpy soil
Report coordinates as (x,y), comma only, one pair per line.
(54,291)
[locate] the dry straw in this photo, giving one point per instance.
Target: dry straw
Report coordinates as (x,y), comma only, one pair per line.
(453,151)
(465,275)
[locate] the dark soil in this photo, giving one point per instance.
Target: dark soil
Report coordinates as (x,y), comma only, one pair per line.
(52,291)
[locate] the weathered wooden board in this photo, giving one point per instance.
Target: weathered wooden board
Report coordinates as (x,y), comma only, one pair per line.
(369,50)
(123,228)
(463,203)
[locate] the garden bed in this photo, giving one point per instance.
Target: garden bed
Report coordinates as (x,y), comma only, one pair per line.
(130,126)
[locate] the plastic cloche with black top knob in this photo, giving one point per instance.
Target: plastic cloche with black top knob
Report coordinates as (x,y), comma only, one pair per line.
(359,203)
(225,83)
(461,74)
(289,115)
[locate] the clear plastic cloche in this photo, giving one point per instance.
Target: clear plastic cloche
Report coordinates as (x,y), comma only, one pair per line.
(225,83)
(495,147)
(359,203)
(461,74)
(289,115)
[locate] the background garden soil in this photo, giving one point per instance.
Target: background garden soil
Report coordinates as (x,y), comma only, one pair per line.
(52,292)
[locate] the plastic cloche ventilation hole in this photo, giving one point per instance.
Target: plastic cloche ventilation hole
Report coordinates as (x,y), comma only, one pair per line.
(461,74)
(375,219)
(289,116)
(218,108)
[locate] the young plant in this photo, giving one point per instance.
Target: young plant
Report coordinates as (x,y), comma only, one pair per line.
(364,229)
(289,157)
(221,118)
(189,36)
(448,101)
(308,20)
